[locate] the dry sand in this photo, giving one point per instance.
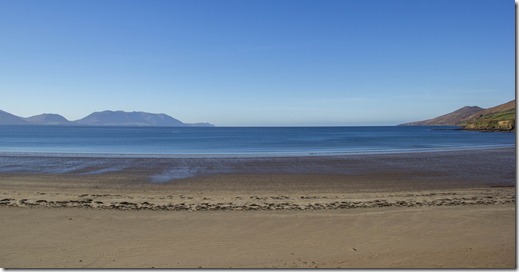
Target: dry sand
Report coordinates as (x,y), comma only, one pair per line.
(446,237)
(401,214)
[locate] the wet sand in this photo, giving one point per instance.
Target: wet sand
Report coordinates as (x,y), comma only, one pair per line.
(419,210)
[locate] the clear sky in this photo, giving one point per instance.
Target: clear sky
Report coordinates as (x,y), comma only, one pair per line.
(257,62)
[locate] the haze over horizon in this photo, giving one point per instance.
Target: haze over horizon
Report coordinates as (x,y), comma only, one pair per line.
(257,63)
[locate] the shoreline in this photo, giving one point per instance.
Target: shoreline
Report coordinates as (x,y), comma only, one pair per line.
(257,155)
(489,166)
(401,180)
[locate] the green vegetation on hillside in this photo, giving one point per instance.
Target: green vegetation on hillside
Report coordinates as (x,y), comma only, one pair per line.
(500,121)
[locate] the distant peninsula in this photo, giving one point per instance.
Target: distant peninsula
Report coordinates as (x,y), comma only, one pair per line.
(102,118)
(498,118)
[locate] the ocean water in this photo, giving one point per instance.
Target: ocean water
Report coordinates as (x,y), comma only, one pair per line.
(239,141)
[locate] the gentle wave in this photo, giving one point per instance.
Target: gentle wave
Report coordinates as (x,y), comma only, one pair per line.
(139,142)
(366,151)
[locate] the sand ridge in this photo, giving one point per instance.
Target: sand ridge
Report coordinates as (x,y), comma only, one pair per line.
(256,202)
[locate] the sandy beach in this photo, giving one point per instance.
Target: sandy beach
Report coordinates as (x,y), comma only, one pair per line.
(416,210)
(258,134)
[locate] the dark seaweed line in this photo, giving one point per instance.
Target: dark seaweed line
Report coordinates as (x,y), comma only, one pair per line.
(88,203)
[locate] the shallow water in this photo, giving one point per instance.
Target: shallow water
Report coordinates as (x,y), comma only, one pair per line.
(489,166)
(239,141)
(164,154)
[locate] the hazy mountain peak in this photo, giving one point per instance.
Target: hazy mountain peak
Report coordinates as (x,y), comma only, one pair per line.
(134,118)
(48,119)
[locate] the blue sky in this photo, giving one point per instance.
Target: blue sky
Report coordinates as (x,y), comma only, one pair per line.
(257,62)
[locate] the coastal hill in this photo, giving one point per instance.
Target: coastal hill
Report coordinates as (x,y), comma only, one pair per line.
(104,118)
(48,119)
(498,118)
(454,118)
(501,118)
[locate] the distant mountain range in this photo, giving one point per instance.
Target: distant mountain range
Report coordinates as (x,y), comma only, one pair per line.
(500,118)
(103,118)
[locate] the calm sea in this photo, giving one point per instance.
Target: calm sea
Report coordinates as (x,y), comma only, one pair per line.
(239,141)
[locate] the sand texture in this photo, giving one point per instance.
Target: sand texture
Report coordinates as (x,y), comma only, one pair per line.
(446,237)
(423,210)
